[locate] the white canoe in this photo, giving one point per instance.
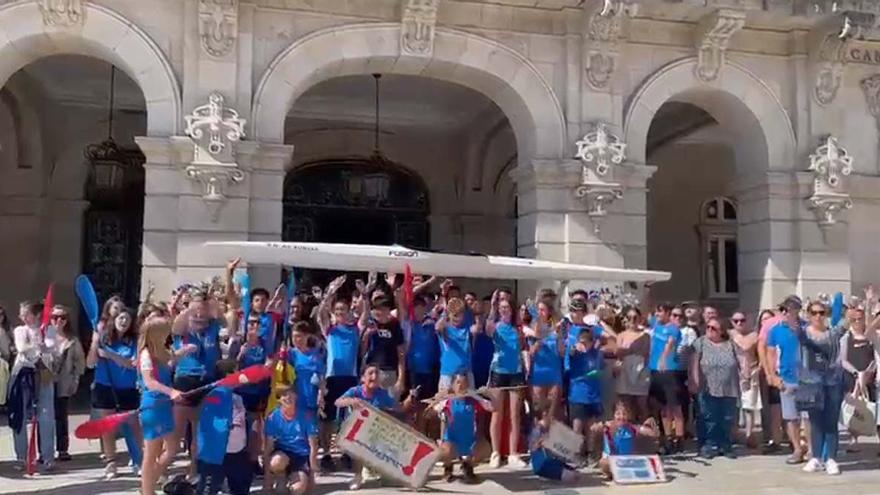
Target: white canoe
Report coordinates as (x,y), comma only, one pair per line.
(358,257)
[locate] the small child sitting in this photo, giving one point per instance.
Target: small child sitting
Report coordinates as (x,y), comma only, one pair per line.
(290,437)
(545,464)
(460,434)
(621,437)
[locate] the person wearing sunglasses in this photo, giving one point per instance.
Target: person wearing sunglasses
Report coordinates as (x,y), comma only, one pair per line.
(745,341)
(71,365)
(714,377)
(665,382)
(821,388)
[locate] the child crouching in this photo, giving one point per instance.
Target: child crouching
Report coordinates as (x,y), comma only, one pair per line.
(544,463)
(290,436)
(621,437)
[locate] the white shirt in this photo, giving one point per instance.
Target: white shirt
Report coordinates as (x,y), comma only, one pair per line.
(238,430)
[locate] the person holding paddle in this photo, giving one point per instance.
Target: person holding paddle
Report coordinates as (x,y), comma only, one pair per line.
(71,366)
(112,354)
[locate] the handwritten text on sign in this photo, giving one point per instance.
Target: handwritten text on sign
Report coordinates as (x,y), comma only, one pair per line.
(565,443)
(388,446)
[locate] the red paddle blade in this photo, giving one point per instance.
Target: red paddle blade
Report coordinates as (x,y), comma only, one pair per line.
(47,308)
(252,374)
(409,296)
(96,428)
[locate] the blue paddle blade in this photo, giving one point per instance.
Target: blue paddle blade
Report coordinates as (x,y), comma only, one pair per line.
(837,309)
(246,295)
(85,291)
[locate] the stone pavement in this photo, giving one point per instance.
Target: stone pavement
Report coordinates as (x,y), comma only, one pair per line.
(748,475)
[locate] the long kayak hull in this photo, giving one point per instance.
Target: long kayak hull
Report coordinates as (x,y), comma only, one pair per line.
(359,257)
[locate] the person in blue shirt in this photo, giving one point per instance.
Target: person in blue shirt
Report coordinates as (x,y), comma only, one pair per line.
(291,436)
(455,343)
(506,371)
(196,344)
(666,385)
(585,389)
(423,355)
(546,350)
(483,347)
(342,336)
(311,369)
(370,392)
(460,435)
(621,436)
(156,417)
(782,363)
(544,463)
(222,433)
(113,354)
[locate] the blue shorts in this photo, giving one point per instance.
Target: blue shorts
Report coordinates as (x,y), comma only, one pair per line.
(546,378)
(296,463)
(157,420)
(547,466)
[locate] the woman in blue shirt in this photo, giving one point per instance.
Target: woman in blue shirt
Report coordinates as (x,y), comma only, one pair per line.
(506,370)
(113,353)
(546,349)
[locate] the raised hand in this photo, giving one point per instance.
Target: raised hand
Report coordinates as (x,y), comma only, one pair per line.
(233,264)
(390,278)
(445,285)
(360,286)
(372,278)
(336,284)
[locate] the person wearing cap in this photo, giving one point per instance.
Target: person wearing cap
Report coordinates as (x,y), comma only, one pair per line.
(781,365)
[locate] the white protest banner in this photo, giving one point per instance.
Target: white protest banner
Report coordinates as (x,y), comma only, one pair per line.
(564,443)
(390,447)
(637,469)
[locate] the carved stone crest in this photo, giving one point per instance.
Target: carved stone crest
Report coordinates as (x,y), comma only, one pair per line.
(603,32)
(62,13)
(831,43)
(829,163)
(713,34)
(218,26)
(601,149)
(417,27)
(598,152)
(871,87)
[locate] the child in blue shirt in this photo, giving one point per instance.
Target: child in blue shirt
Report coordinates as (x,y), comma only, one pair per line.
(460,435)
(291,438)
(455,343)
(585,383)
(423,355)
(222,436)
(622,437)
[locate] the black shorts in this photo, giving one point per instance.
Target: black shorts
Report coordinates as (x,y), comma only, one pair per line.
(666,388)
(113,399)
(583,412)
(296,463)
(498,380)
(185,383)
(336,386)
(427,384)
(255,403)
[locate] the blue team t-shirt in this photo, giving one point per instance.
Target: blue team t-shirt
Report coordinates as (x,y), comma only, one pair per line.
(215,421)
(254,355)
(547,363)
(310,369)
(424,347)
(342,350)
(380,399)
(508,348)
(661,334)
(788,348)
(202,362)
(292,435)
(621,441)
(268,325)
(461,424)
(110,374)
(586,387)
(455,350)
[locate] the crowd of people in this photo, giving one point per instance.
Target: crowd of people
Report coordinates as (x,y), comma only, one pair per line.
(630,379)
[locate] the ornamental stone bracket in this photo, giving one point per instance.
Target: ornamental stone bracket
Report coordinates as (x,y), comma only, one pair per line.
(62,13)
(218,26)
(871,88)
(602,34)
(829,164)
(418,23)
(214,130)
(599,152)
(712,35)
(829,45)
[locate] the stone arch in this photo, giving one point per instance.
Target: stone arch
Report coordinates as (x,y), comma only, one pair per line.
(497,71)
(103,34)
(738,100)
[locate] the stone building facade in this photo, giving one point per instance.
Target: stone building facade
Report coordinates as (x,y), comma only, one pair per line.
(734,143)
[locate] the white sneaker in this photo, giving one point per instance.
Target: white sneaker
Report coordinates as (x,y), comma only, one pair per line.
(813,466)
(515,461)
(135,470)
(495,460)
(356,483)
(832,468)
(110,471)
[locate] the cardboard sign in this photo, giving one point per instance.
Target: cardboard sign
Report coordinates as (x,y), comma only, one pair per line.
(564,443)
(637,469)
(388,446)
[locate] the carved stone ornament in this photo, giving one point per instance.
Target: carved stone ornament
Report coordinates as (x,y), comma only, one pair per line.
(417,27)
(831,44)
(218,26)
(214,130)
(62,13)
(829,163)
(871,87)
(604,21)
(713,34)
(598,152)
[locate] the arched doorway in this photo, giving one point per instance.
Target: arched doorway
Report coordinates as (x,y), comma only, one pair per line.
(356,202)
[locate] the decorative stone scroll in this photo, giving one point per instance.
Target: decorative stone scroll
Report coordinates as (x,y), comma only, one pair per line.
(214,129)
(218,26)
(712,35)
(604,20)
(831,43)
(871,87)
(598,152)
(62,13)
(417,28)
(829,163)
